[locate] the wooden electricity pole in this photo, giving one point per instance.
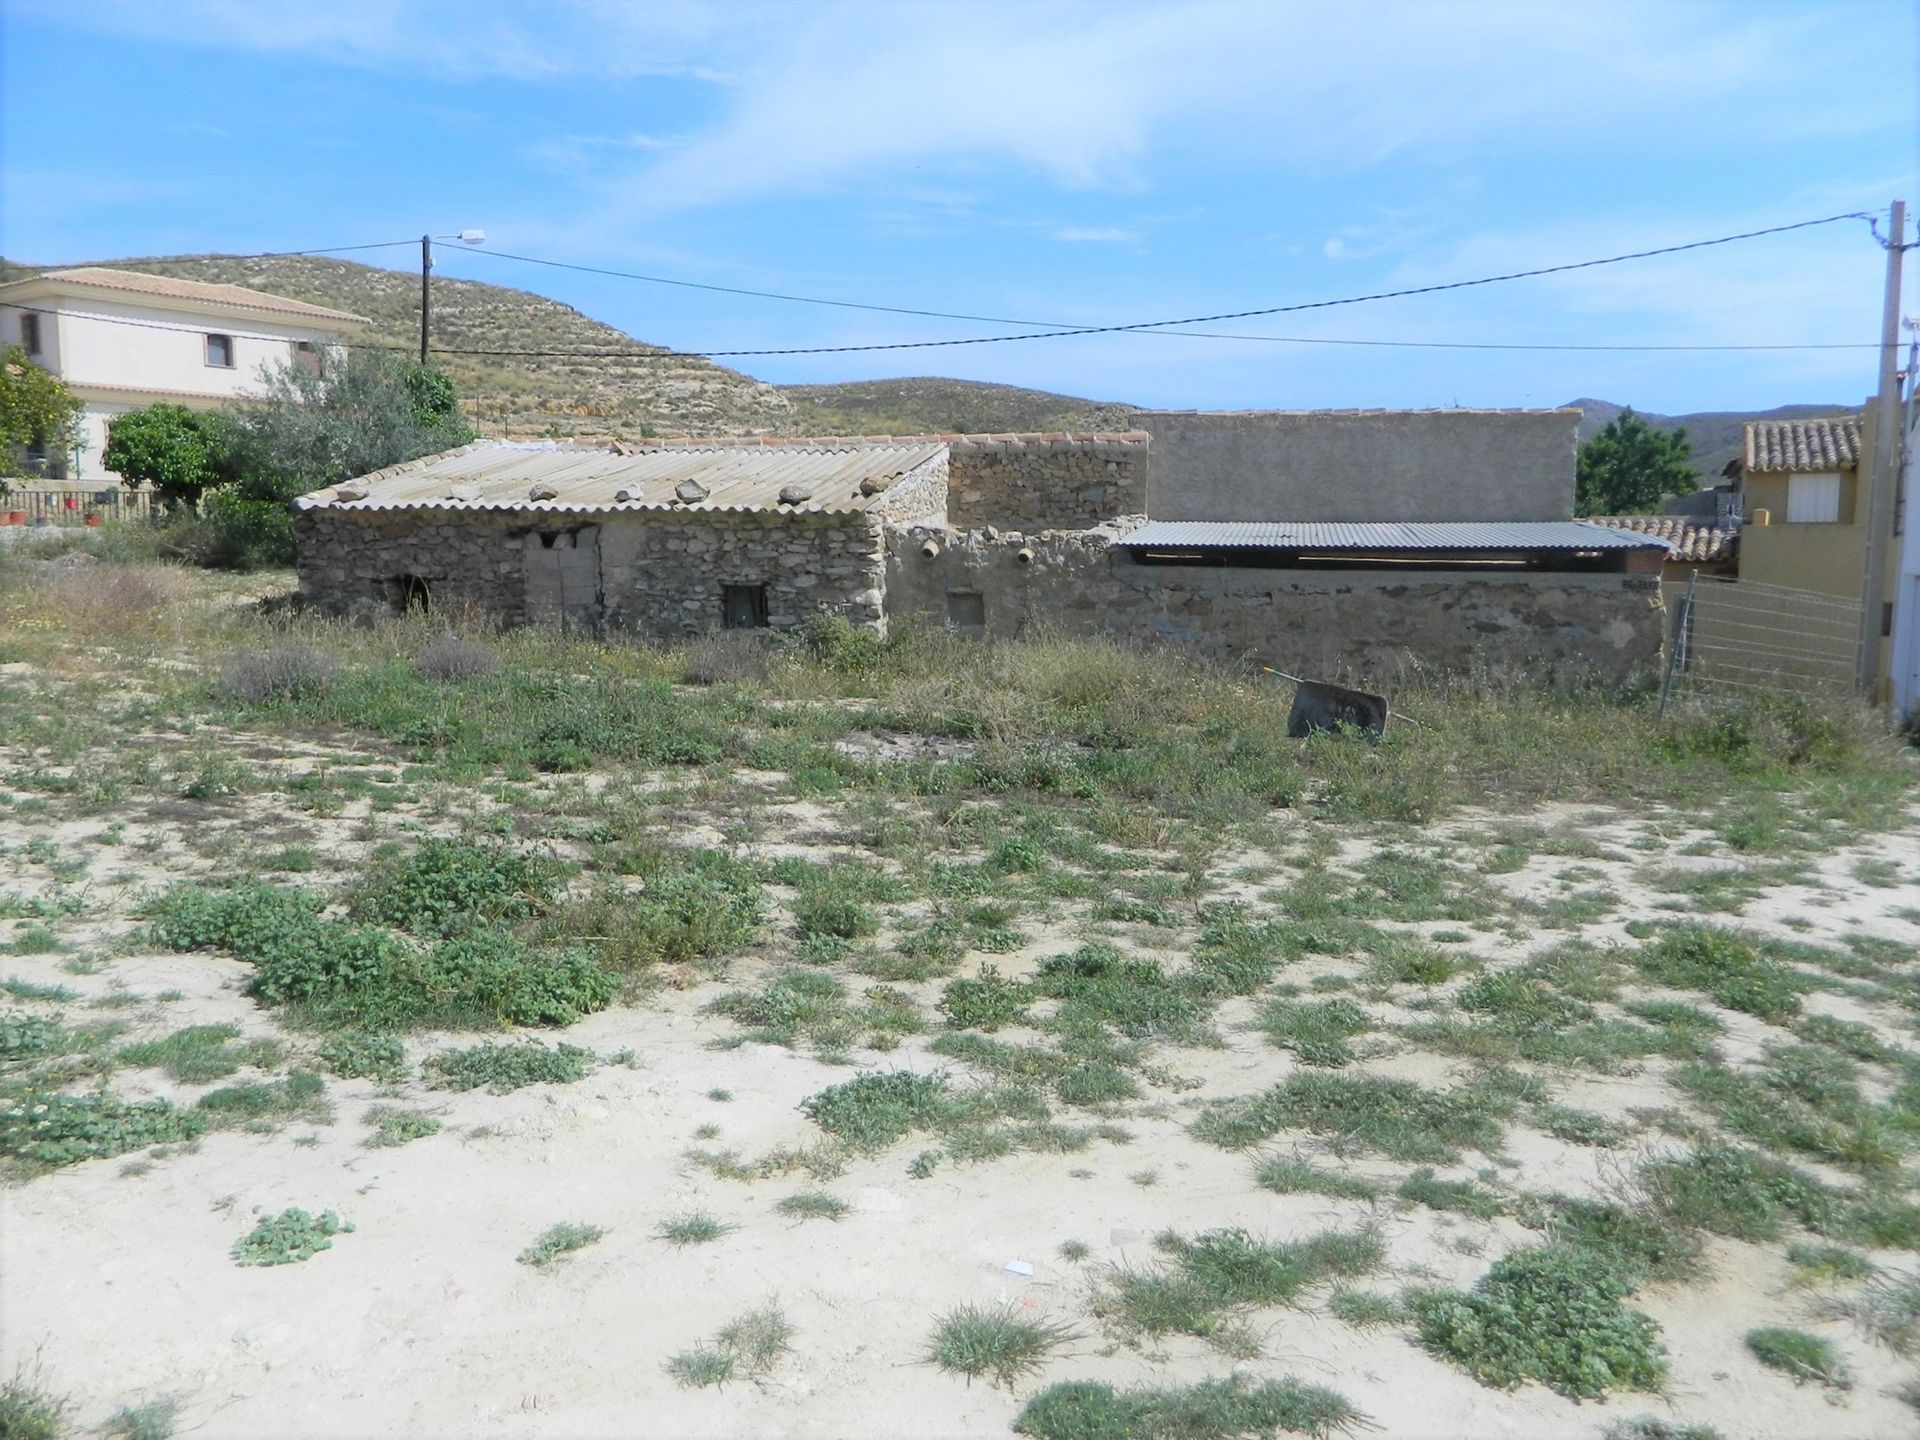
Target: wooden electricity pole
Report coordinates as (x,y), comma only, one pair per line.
(1886,465)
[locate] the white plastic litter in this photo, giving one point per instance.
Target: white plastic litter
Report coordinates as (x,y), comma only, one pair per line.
(1020,1267)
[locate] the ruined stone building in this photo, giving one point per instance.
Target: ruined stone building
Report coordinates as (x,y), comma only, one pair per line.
(1348,545)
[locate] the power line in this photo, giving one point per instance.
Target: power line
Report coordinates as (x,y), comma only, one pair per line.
(1145,327)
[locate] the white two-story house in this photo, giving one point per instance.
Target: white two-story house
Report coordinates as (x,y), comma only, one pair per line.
(121,340)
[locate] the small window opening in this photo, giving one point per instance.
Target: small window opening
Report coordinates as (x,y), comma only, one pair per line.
(30,334)
(548,539)
(409,593)
(220,351)
(967,610)
(743,607)
(306,356)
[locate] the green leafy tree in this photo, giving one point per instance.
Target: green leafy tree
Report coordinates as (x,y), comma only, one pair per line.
(309,431)
(38,414)
(179,452)
(1630,467)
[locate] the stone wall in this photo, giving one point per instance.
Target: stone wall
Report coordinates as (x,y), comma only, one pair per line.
(668,573)
(1362,626)
(357,559)
(919,495)
(1045,482)
(1361,465)
(661,572)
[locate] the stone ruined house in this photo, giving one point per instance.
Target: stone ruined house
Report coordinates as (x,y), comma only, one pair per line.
(1463,550)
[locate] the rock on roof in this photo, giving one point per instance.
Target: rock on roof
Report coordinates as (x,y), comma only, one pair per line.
(786,477)
(1800,446)
(1688,538)
(232,297)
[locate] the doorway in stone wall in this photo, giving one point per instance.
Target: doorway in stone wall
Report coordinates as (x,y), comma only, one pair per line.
(563,575)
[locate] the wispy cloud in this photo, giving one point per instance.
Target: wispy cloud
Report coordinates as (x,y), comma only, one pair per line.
(1081,235)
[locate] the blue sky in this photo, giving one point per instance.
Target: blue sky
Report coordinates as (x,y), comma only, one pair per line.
(1095,163)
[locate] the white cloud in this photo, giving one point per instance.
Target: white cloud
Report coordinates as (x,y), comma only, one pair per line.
(1079,235)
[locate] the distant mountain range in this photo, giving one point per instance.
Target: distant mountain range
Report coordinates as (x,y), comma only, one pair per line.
(629,388)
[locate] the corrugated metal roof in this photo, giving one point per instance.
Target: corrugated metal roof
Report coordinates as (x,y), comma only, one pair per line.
(505,475)
(1382,535)
(1803,446)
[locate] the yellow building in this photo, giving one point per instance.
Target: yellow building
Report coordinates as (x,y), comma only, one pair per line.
(1805,501)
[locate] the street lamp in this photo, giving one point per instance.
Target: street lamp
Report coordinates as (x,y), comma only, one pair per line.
(465,237)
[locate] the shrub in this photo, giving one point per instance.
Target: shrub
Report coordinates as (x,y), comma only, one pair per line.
(1796,1353)
(495,975)
(1317,1031)
(1551,1314)
(1098,984)
(975,1340)
(1226,1409)
(282,673)
(26,1411)
(398,1127)
(1399,1119)
(50,1130)
(289,1237)
(875,1109)
(1734,969)
(747,1347)
(986,1002)
(502,1068)
(360,1055)
(727,657)
(446,887)
(558,1240)
(452,658)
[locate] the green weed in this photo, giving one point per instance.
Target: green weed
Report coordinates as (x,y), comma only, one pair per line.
(1800,1355)
(745,1348)
(558,1240)
(397,1127)
(1360,1113)
(814,1205)
(975,1340)
(1233,1408)
(502,1068)
(289,1237)
(697,1228)
(1317,1031)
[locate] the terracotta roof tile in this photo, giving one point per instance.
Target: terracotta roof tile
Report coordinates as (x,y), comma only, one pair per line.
(236,297)
(1689,538)
(1790,446)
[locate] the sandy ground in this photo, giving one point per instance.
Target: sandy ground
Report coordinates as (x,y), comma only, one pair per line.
(420,1323)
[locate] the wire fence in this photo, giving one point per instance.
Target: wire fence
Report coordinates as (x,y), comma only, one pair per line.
(1734,636)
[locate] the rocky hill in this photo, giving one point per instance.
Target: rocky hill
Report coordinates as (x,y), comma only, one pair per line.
(930,405)
(633,392)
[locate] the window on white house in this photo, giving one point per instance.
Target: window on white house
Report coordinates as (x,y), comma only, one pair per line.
(1813,499)
(306,356)
(220,351)
(30,334)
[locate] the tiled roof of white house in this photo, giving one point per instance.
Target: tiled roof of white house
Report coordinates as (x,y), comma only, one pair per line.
(786,477)
(1382,535)
(1802,446)
(167,287)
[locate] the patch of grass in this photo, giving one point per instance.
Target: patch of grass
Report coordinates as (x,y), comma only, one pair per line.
(1654,1427)
(1316,1031)
(814,1205)
(1362,1113)
(1461,1197)
(814,1007)
(558,1240)
(396,1127)
(502,1068)
(1800,1355)
(1551,1314)
(288,1238)
(24,990)
(1737,1192)
(196,1055)
(1820,1265)
(691,907)
(1638,1243)
(1886,1308)
(1365,1309)
(153,1421)
(698,1228)
(1804,1099)
(301,1096)
(977,1340)
(745,1348)
(1097,985)
(1739,971)
(1578,1127)
(1291,1175)
(1232,1408)
(1074,1251)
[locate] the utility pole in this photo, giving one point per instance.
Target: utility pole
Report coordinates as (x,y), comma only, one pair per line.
(1886,458)
(426,292)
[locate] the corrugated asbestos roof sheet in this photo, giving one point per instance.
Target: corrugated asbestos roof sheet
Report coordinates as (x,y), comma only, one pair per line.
(1803,445)
(508,475)
(235,297)
(1381,535)
(1689,539)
